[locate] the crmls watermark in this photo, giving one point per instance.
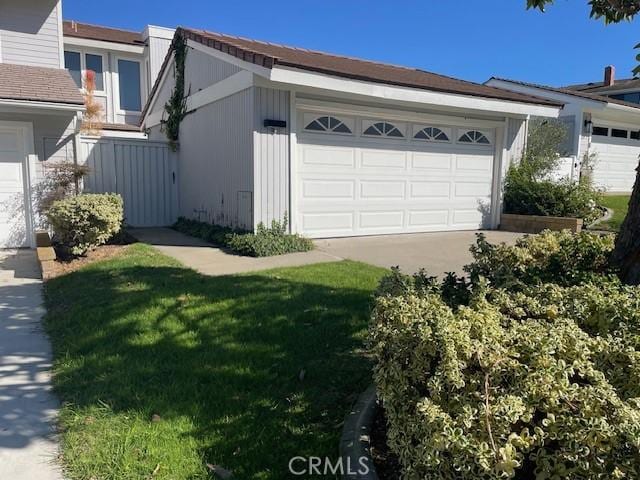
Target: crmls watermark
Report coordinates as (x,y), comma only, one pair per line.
(325,466)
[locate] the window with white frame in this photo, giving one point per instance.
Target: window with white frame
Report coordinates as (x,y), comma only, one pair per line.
(79,63)
(432,134)
(474,136)
(381,129)
(130,94)
(328,124)
(73,64)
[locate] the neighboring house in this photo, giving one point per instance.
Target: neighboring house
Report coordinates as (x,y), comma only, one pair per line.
(126,64)
(40,109)
(342,146)
(603,121)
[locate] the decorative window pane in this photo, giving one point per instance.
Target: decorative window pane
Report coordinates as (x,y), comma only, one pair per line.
(618,133)
(432,134)
(94,63)
(601,131)
(634,135)
(328,124)
(72,64)
(129,83)
(383,129)
(474,136)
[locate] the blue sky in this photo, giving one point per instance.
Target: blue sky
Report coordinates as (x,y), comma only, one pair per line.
(469,39)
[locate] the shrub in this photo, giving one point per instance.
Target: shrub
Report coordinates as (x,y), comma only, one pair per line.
(530,188)
(83,222)
(264,243)
(555,198)
(60,180)
(542,383)
(559,257)
(211,233)
(271,241)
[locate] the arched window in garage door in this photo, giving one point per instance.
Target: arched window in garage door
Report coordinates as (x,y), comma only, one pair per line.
(474,136)
(329,124)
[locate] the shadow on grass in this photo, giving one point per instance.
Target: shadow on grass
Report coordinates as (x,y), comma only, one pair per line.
(263,367)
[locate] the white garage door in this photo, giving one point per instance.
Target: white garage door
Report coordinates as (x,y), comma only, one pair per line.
(12,199)
(366,177)
(616,161)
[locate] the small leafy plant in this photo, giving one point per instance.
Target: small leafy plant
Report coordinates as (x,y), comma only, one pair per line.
(86,221)
(266,242)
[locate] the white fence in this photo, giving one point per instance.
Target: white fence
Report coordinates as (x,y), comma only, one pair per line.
(143,172)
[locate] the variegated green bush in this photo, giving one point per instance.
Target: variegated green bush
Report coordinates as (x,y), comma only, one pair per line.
(538,381)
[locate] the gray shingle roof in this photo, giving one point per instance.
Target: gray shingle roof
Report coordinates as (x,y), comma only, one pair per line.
(38,84)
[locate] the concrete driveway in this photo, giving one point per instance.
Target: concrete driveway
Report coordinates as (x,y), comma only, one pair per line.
(438,253)
(28,447)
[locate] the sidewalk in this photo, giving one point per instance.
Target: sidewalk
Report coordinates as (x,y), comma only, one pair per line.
(210,260)
(28,447)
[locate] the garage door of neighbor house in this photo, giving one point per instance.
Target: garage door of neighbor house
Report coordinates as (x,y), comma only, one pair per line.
(616,161)
(360,176)
(143,172)
(13,171)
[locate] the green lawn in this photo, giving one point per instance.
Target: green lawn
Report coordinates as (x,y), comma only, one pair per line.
(619,204)
(219,360)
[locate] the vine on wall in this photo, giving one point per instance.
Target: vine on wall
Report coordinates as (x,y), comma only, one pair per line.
(176,106)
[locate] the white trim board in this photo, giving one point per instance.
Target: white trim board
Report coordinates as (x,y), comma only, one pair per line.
(225,88)
(39,107)
(113,46)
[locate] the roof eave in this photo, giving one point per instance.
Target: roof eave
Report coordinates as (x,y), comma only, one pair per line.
(305,78)
(44,105)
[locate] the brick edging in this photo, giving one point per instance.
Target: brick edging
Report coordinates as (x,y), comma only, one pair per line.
(45,253)
(355,443)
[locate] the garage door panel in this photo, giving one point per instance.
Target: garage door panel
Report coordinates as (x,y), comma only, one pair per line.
(328,222)
(430,190)
(468,217)
(328,189)
(382,189)
(474,163)
(432,161)
(383,159)
(327,156)
(472,189)
(428,219)
(381,220)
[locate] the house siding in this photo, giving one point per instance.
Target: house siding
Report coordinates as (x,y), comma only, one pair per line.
(205,70)
(30,32)
(271,155)
(157,50)
(216,162)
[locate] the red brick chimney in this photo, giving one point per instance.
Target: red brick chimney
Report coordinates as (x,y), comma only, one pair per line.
(609,76)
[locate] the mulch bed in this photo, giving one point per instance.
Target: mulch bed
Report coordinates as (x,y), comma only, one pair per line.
(65,264)
(385,461)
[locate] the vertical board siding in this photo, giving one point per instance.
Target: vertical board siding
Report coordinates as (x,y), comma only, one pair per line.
(205,70)
(216,162)
(271,156)
(141,171)
(30,32)
(158,48)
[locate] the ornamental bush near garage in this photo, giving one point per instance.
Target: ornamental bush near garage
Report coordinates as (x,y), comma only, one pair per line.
(539,381)
(83,222)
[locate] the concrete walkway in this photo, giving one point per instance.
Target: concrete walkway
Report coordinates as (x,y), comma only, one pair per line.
(210,260)
(438,252)
(28,447)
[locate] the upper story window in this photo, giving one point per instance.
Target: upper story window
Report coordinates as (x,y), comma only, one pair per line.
(474,136)
(382,129)
(79,64)
(431,134)
(129,85)
(632,97)
(73,64)
(94,63)
(330,124)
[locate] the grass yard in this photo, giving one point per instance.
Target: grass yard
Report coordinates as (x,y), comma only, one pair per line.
(162,370)
(619,205)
